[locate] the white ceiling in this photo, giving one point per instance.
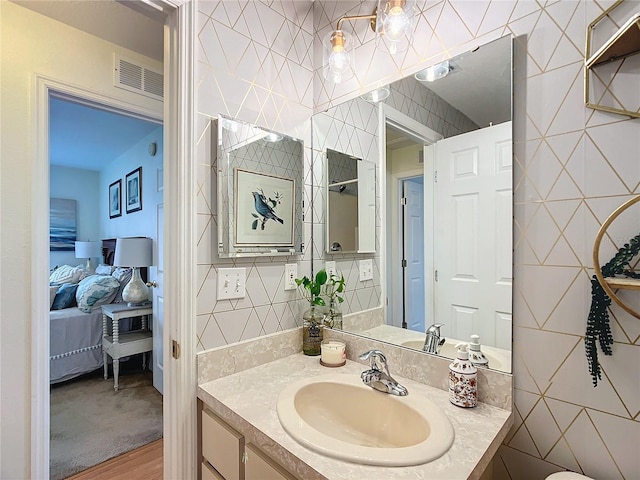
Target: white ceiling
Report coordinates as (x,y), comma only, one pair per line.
(479,82)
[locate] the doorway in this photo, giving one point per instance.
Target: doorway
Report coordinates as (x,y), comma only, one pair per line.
(92,148)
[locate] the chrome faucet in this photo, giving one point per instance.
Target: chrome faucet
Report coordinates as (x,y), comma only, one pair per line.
(433,342)
(378,379)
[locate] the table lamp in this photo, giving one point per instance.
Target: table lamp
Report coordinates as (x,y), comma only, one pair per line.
(88,250)
(134,252)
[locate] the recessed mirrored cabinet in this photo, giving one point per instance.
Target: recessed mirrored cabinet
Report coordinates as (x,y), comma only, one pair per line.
(432,152)
(350,203)
(260,199)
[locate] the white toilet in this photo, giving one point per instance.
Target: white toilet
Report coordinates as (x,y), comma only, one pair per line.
(567,476)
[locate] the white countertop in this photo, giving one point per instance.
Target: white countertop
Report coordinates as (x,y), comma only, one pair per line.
(247,401)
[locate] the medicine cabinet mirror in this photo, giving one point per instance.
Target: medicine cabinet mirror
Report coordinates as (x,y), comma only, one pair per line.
(443,244)
(350,203)
(260,199)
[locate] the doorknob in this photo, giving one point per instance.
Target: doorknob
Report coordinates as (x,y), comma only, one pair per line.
(153,284)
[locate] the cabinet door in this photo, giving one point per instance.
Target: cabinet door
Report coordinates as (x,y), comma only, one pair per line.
(260,467)
(222,447)
(208,473)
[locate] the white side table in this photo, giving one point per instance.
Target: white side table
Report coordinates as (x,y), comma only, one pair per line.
(128,343)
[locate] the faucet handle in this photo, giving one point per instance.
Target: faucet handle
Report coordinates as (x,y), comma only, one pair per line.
(373,356)
(435,329)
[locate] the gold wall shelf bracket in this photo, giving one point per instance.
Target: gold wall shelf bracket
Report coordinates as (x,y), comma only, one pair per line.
(624,43)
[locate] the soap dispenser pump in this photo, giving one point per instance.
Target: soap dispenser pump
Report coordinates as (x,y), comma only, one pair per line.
(463,379)
(475,354)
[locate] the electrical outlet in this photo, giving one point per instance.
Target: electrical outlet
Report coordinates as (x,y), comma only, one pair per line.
(366,270)
(330,268)
(232,283)
(290,275)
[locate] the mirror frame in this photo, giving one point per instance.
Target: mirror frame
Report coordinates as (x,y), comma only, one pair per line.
(257,164)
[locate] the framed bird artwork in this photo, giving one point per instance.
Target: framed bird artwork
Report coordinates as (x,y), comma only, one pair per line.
(264,209)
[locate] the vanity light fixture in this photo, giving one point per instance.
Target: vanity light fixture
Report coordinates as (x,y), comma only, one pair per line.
(435,72)
(393,23)
(377,95)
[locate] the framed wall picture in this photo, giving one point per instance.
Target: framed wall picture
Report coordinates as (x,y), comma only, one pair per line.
(133,184)
(115,199)
(264,209)
(62,225)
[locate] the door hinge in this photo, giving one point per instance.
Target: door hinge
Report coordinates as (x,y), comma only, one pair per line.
(404,263)
(403,201)
(245,457)
(435,274)
(435,177)
(175,349)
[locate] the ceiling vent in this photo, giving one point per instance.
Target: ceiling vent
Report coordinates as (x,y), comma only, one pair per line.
(136,77)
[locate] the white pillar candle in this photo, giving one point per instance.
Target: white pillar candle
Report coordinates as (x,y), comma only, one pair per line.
(333,352)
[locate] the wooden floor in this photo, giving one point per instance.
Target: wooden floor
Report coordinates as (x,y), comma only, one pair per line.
(144,463)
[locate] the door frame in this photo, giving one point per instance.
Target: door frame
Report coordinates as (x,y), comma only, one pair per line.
(179,409)
(421,134)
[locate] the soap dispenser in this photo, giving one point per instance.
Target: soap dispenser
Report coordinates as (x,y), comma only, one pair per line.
(475,354)
(463,379)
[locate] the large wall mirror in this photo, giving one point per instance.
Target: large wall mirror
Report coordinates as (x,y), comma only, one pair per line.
(442,141)
(259,191)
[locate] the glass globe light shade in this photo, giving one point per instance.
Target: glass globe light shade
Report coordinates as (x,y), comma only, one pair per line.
(395,24)
(337,56)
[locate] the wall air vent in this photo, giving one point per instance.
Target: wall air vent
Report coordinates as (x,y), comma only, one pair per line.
(134,76)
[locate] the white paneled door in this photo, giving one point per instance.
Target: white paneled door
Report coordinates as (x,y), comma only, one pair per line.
(473,216)
(413,248)
(156,277)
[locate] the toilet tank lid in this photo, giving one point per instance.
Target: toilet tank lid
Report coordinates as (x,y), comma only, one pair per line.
(567,476)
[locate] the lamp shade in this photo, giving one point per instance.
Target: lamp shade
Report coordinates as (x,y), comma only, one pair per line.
(88,249)
(133,252)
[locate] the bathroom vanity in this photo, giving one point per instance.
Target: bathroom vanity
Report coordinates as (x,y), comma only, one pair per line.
(241,433)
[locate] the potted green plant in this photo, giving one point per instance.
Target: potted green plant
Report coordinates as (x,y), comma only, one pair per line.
(333,290)
(313,318)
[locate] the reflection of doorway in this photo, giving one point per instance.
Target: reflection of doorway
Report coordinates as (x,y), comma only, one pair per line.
(407,258)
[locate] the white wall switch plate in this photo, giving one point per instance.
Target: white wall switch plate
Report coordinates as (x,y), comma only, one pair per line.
(232,283)
(330,268)
(366,270)
(290,275)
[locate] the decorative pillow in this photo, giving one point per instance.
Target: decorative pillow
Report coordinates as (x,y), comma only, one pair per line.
(123,275)
(96,290)
(67,274)
(53,289)
(66,297)
(104,269)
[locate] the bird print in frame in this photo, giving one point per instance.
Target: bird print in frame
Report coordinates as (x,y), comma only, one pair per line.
(264,209)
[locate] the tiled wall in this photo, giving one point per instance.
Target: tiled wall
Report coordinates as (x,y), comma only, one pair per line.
(573,167)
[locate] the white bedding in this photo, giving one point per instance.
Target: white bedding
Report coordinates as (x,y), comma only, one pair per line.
(76,343)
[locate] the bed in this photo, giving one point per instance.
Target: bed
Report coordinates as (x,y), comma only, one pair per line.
(76,335)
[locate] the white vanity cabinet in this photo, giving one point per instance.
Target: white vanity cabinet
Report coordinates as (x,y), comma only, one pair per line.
(225,456)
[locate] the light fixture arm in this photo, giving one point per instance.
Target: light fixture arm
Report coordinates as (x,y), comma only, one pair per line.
(372,19)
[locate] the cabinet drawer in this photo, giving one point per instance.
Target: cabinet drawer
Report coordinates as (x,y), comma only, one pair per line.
(222,447)
(259,466)
(209,473)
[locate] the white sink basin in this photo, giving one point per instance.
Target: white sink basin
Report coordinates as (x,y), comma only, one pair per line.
(449,350)
(338,416)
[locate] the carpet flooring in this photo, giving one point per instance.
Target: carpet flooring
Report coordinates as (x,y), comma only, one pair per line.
(91,422)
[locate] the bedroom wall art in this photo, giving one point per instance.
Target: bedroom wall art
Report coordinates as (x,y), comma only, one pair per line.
(133,183)
(115,199)
(62,225)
